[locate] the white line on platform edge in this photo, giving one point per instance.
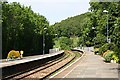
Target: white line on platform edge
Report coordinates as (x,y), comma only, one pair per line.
(68,67)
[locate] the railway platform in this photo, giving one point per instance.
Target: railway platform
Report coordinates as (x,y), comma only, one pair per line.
(91,67)
(4,63)
(16,67)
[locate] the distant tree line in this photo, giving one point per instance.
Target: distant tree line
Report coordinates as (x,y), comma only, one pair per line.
(77,26)
(23,29)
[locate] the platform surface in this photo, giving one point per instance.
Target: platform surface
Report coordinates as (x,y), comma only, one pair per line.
(4,63)
(90,66)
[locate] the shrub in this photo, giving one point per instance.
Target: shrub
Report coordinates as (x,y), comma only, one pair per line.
(97,45)
(108,56)
(106,52)
(99,40)
(96,50)
(65,43)
(88,44)
(115,58)
(108,46)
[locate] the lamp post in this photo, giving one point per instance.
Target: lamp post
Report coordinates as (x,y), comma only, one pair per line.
(108,40)
(93,28)
(56,37)
(44,41)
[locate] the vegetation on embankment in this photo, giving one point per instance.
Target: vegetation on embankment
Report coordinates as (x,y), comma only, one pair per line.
(100,21)
(109,52)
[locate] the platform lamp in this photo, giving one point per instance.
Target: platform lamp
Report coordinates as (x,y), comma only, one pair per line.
(93,28)
(44,41)
(108,40)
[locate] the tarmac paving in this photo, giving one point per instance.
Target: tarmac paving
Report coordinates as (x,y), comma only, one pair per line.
(91,66)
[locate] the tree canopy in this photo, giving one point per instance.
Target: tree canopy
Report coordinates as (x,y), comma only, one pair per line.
(22,29)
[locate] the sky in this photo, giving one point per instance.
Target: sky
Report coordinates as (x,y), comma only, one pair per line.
(56,10)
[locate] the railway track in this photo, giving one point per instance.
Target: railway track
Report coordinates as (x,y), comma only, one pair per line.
(47,69)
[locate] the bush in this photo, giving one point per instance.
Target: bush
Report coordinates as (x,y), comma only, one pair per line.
(64,43)
(99,40)
(96,50)
(108,56)
(106,53)
(115,58)
(88,44)
(97,45)
(107,46)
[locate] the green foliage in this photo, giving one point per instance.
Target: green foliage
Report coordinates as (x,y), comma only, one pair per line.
(99,40)
(96,50)
(75,41)
(64,43)
(22,29)
(73,26)
(99,20)
(108,56)
(81,41)
(115,58)
(56,43)
(88,43)
(107,46)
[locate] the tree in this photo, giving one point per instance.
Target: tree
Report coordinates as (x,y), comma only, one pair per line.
(23,30)
(113,9)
